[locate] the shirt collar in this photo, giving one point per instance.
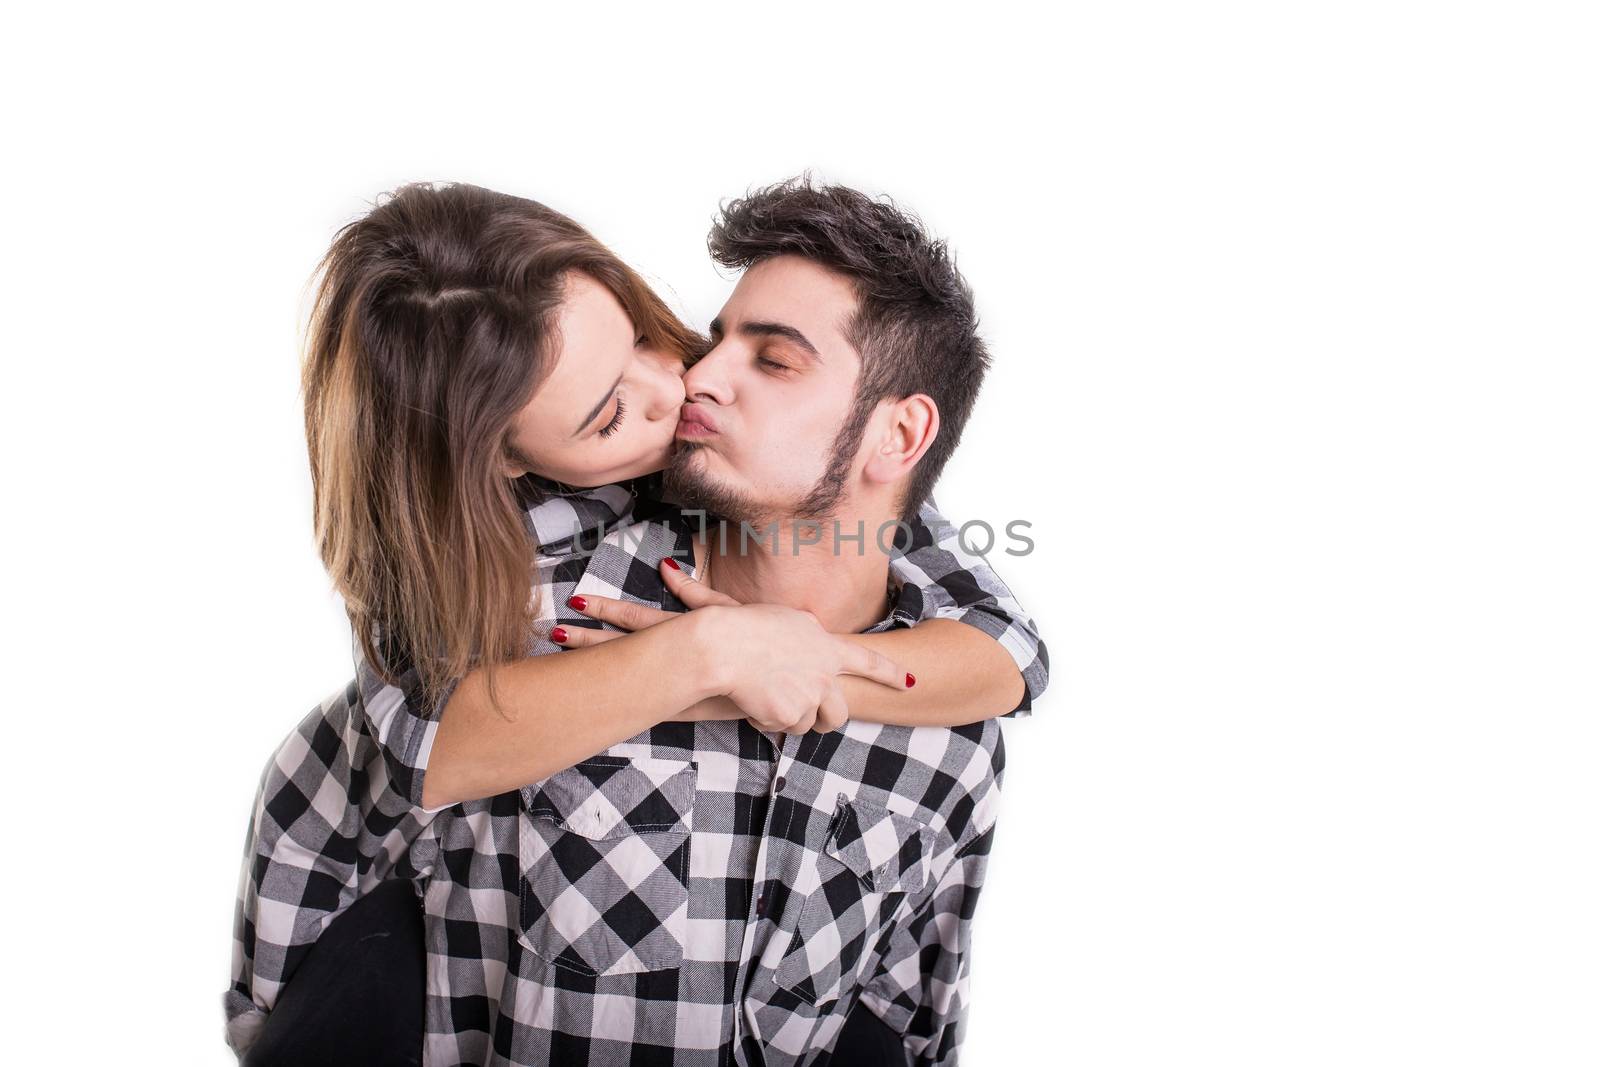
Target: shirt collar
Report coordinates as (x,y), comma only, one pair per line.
(676,538)
(905,606)
(563,519)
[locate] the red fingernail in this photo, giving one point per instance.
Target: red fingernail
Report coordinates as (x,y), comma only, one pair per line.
(669,561)
(911,679)
(558,635)
(577,603)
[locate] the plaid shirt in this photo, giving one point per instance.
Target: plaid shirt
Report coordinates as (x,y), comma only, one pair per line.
(696,894)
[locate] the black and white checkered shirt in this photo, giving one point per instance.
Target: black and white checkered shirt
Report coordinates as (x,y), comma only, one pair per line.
(699,894)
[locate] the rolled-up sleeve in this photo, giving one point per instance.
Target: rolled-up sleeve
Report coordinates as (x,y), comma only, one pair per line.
(335,813)
(404,725)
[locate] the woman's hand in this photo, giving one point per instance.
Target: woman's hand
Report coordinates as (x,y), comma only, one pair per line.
(777,664)
(709,708)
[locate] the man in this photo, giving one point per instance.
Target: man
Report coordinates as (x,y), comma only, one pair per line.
(842,371)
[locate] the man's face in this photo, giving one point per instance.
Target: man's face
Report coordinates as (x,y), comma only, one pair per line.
(760,438)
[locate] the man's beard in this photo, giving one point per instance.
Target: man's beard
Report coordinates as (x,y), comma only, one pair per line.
(690,485)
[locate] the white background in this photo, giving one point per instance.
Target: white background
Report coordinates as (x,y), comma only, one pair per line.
(1294,322)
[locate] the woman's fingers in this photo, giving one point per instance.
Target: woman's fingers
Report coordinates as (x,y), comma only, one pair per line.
(582,636)
(621,613)
(692,592)
(858,659)
(803,724)
(833,713)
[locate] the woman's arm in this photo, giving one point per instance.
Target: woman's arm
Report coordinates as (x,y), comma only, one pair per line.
(563,709)
(777,664)
(962,677)
(960,585)
(976,653)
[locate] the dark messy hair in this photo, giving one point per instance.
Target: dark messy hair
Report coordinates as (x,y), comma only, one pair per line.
(914,326)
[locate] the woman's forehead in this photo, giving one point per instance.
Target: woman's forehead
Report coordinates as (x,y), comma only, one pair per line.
(592,343)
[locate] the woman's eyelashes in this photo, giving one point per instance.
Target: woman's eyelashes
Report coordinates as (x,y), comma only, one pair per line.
(616,420)
(622,408)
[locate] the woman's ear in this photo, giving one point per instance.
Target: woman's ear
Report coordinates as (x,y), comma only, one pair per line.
(512,463)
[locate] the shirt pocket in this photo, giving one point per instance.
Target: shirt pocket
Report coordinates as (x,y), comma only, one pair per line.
(604,856)
(871,860)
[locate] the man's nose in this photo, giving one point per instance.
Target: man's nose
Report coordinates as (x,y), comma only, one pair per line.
(707,380)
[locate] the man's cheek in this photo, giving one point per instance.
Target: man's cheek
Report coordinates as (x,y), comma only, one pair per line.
(782,464)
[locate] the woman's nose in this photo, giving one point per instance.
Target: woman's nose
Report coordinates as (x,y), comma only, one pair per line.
(667,393)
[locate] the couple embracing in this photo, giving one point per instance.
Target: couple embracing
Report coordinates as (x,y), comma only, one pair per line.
(674,737)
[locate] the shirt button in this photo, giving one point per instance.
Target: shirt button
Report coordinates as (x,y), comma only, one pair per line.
(761,905)
(780,783)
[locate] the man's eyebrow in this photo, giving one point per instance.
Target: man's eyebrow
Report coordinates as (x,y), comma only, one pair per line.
(771,329)
(587,419)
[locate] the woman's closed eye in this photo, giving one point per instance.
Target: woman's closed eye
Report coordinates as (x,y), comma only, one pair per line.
(616,420)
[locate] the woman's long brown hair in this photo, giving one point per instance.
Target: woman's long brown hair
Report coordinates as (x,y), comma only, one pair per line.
(431,329)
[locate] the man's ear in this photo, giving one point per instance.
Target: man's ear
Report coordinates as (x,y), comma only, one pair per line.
(907,430)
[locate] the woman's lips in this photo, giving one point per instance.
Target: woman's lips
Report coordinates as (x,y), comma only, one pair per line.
(694,422)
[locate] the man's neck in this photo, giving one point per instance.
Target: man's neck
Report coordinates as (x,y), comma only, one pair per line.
(840,580)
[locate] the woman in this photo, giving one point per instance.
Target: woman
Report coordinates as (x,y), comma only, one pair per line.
(459,342)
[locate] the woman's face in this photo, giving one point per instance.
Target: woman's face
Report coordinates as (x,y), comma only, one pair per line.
(608,408)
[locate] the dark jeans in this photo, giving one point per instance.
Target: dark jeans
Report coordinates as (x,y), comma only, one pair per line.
(357,998)
(868,1041)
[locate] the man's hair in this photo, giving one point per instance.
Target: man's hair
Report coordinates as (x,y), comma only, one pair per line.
(914,327)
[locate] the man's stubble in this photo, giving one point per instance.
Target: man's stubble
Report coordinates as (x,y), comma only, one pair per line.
(689,484)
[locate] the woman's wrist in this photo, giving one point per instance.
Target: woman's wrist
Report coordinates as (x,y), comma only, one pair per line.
(710,708)
(706,634)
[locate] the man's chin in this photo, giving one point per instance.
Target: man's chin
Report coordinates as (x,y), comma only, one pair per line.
(686,460)
(688,483)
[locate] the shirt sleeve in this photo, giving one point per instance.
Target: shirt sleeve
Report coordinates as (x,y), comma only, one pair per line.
(403,723)
(333,817)
(956,584)
(922,984)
